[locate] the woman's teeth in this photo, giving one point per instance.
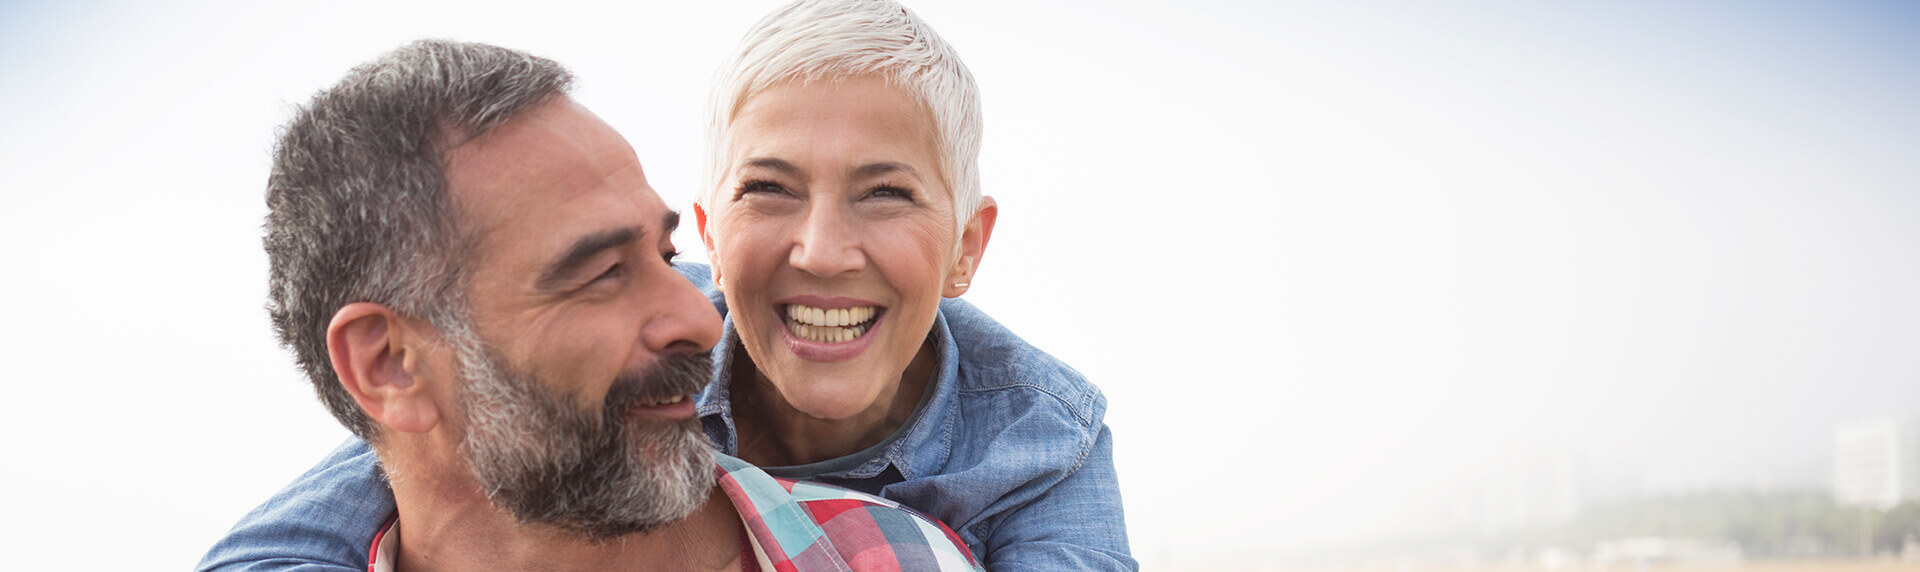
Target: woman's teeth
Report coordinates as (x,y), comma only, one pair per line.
(829,325)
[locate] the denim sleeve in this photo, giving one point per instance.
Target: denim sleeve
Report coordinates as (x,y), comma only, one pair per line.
(1076,525)
(324,521)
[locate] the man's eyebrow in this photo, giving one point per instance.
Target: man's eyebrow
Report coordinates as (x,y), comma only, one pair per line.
(583,250)
(668,223)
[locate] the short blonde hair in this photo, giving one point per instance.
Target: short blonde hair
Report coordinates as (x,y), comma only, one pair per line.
(824,40)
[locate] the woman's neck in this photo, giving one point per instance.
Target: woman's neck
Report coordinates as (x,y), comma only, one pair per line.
(773,433)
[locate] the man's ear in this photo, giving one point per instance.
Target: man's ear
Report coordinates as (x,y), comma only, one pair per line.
(372,353)
(973,246)
(713,258)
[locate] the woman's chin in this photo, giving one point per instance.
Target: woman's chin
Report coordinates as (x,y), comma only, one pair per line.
(827,404)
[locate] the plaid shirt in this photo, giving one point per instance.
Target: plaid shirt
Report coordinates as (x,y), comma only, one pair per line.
(797,526)
(800,526)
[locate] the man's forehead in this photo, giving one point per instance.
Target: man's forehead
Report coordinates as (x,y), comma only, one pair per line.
(553,170)
(557,138)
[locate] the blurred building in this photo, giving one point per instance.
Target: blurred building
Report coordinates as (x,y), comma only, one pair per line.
(1516,491)
(1876,462)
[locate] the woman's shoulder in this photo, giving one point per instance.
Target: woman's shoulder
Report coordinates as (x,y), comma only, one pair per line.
(701,276)
(698,273)
(997,365)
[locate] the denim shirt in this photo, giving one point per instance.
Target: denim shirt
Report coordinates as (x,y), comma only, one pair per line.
(1010,450)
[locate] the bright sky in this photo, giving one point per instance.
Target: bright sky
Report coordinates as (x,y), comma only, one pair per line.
(1323,257)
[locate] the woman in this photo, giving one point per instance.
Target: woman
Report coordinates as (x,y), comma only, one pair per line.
(842,207)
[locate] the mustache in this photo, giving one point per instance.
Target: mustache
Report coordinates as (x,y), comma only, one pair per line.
(545,459)
(670,376)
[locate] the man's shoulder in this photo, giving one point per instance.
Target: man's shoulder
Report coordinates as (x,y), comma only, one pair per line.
(996,364)
(823,527)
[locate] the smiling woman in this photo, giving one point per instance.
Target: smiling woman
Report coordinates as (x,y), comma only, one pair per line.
(842,206)
(836,212)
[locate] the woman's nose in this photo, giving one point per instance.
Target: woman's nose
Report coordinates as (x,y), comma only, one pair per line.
(828,245)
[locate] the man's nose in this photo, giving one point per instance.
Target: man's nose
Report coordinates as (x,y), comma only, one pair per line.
(681,319)
(828,244)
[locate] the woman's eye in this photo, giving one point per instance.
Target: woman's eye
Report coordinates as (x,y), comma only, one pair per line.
(759,186)
(888,191)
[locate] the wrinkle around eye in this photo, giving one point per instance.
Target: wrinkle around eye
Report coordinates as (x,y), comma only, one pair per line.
(613,271)
(611,276)
(767,204)
(751,187)
(892,192)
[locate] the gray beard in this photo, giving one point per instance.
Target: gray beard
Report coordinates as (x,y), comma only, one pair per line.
(596,474)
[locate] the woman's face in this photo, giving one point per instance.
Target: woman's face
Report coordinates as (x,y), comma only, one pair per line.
(832,235)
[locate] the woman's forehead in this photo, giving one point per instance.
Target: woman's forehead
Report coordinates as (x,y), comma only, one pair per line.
(867,123)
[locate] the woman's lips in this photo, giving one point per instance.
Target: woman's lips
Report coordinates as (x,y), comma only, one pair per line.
(829,325)
(828,329)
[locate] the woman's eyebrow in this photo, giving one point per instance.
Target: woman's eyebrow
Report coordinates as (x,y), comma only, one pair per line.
(861,172)
(877,169)
(773,163)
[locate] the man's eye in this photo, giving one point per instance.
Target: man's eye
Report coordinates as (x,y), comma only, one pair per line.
(612,272)
(669,256)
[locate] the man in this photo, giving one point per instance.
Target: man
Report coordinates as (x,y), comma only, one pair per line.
(474,274)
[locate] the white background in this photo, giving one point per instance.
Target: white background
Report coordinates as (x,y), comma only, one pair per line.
(1323,257)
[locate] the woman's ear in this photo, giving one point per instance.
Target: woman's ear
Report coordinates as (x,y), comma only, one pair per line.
(713,258)
(369,346)
(973,246)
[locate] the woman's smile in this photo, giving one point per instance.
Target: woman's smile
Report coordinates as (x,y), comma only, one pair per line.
(828,329)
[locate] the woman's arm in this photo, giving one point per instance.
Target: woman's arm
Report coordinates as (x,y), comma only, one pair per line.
(1077,524)
(1031,482)
(324,521)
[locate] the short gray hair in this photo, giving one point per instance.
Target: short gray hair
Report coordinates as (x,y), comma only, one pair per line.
(816,40)
(358,209)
